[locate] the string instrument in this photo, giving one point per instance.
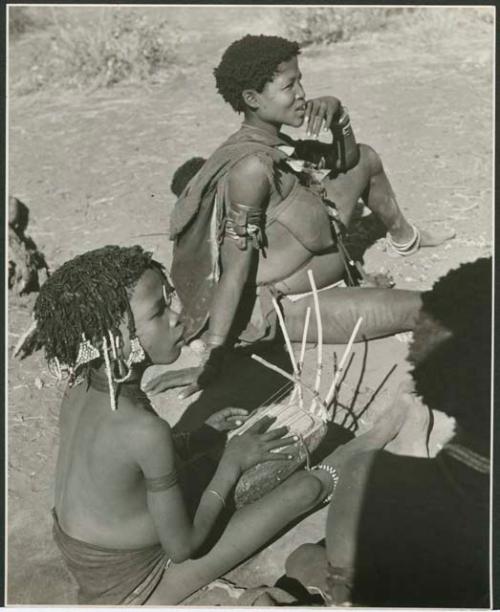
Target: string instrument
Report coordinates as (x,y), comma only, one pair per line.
(309,423)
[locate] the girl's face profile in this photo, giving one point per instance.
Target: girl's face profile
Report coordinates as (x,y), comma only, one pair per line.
(156,319)
(283,100)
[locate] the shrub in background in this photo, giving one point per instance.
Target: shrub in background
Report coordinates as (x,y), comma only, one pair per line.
(341,23)
(122,46)
(23,19)
(110,46)
(335,24)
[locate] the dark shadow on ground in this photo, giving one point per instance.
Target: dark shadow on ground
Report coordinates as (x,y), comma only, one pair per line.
(244,383)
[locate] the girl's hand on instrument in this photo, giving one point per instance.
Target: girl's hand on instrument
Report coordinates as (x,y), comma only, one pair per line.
(320,113)
(257,443)
(227,419)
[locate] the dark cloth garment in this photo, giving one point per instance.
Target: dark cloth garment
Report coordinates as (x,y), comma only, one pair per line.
(196,226)
(107,576)
(423,535)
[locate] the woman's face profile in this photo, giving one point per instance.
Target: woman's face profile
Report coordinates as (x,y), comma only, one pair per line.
(282,101)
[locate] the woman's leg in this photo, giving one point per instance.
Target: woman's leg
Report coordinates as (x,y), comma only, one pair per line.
(342,526)
(247,531)
(368,180)
(308,563)
(384,312)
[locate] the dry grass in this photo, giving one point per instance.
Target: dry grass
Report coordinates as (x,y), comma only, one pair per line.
(61,48)
(24,19)
(339,24)
(114,46)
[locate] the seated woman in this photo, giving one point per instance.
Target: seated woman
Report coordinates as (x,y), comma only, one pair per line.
(256,217)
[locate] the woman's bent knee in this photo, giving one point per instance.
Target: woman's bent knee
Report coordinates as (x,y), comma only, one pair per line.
(371,158)
(306,489)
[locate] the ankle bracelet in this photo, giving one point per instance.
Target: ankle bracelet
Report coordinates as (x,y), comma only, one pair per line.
(406,248)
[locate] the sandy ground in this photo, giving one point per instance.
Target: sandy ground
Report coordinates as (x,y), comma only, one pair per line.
(95,169)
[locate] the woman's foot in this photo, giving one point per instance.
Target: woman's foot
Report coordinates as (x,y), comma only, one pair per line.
(410,239)
(432,239)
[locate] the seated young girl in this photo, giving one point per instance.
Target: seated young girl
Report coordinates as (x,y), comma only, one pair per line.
(120,516)
(264,209)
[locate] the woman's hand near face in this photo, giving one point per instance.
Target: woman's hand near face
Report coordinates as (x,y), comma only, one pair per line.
(320,113)
(257,443)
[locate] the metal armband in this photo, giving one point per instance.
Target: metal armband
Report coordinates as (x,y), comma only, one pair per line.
(244,223)
(345,141)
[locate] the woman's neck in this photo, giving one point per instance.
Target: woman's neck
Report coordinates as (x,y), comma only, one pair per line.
(255,121)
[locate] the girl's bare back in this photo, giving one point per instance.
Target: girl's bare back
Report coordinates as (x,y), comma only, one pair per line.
(100,494)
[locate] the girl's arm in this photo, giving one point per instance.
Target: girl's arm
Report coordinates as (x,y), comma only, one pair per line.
(153,450)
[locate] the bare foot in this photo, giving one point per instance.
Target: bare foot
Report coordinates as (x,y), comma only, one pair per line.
(432,239)
(396,246)
(427,238)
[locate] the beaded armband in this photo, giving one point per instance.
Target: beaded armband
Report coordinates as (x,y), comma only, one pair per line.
(244,223)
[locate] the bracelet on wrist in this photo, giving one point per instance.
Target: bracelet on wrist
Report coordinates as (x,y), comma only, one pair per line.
(218,496)
(334,476)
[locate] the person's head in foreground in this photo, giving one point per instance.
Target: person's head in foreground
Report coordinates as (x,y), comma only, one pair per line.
(108,308)
(451,350)
(260,77)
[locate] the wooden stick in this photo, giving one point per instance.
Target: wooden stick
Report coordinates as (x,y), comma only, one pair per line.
(331,391)
(319,328)
(284,373)
(276,368)
(286,336)
(288,346)
(295,380)
(304,339)
(302,354)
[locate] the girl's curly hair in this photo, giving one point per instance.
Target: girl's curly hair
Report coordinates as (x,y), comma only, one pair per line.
(250,63)
(88,295)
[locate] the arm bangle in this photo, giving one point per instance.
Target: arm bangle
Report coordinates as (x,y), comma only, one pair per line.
(218,496)
(334,475)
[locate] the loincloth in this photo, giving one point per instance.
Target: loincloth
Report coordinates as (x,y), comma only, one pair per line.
(108,576)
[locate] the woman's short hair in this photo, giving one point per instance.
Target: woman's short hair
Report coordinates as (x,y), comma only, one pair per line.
(250,63)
